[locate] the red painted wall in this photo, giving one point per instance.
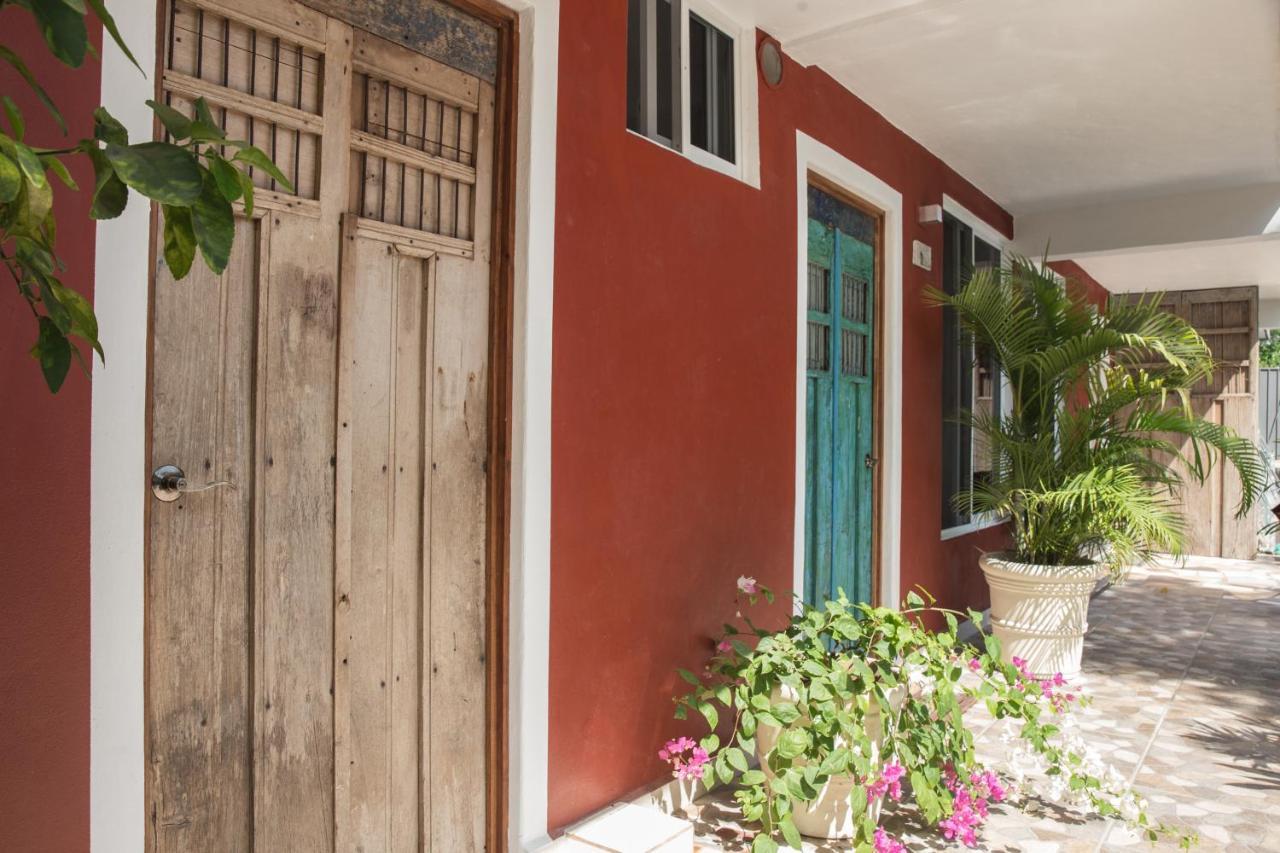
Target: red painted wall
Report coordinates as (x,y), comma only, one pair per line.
(673,401)
(44,510)
(1081,282)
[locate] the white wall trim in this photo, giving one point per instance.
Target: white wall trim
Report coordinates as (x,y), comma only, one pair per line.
(971,527)
(814,156)
(981,228)
(118,440)
(530,569)
(117,470)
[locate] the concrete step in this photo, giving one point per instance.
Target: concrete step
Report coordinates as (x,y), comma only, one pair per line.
(627,828)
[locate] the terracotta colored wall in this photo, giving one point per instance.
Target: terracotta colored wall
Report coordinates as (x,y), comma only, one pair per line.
(673,402)
(1080,280)
(44,513)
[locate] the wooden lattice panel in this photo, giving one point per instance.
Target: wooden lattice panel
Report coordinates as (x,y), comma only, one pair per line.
(413,158)
(263,85)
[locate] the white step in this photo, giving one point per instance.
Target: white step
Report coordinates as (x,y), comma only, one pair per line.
(627,828)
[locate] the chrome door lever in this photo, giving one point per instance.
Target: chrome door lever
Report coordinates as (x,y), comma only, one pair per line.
(169,481)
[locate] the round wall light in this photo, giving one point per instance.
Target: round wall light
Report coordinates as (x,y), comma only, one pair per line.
(771,62)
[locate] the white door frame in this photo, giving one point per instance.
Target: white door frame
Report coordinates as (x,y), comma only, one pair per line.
(815,157)
(118,464)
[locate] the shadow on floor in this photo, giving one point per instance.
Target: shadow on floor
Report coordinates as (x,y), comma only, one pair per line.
(1254,744)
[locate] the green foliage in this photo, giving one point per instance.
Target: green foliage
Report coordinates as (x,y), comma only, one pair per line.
(1269,349)
(195,177)
(1100,401)
(846,689)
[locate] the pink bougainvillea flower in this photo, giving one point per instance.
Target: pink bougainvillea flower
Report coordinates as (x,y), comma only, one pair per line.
(975,665)
(970,804)
(748,585)
(889,782)
(724,646)
(690,766)
(885,843)
(963,822)
(987,784)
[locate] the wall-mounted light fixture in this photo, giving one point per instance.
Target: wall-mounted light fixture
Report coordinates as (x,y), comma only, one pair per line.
(930,214)
(770,54)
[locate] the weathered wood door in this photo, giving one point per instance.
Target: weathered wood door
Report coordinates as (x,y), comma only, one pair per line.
(840,400)
(316,627)
(1227,318)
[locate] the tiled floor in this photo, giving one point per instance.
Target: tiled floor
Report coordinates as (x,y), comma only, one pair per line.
(1183,663)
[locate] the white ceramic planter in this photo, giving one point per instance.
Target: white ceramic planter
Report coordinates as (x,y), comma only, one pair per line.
(1040,613)
(829,815)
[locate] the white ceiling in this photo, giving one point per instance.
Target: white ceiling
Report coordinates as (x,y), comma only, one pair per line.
(1057,103)
(1226,263)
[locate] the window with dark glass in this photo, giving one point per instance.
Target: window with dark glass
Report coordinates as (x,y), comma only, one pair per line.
(711,121)
(971,380)
(653,62)
(655,85)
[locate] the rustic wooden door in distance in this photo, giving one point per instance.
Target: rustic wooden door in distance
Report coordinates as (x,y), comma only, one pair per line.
(1227,318)
(316,628)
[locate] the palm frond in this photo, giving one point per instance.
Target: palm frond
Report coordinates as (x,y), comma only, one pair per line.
(1102,439)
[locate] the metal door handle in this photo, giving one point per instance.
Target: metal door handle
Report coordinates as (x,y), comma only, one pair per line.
(169,481)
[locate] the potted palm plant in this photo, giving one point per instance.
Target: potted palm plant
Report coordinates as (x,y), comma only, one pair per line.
(1088,464)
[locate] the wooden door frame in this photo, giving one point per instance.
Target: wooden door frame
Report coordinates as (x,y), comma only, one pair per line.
(501,366)
(846,196)
(815,158)
(500,358)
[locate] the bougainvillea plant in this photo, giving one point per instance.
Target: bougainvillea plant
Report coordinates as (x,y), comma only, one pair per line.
(195,175)
(851,690)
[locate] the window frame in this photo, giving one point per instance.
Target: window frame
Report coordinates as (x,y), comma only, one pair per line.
(979,230)
(746,166)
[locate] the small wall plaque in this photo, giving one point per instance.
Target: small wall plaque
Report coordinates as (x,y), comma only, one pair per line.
(922,255)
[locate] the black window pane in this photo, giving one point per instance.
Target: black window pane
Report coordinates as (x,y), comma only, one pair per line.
(711,97)
(665,100)
(699,80)
(635,65)
(987,393)
(957,375)
(725,125)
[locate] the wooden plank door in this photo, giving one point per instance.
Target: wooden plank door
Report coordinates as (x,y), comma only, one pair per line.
(840,401)
(1227,318)
(316,627)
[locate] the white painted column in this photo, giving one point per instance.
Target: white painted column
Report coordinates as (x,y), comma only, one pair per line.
(118,470)
(531,422)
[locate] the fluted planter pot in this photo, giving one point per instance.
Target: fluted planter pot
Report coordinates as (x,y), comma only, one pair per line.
(1040,613)
(829,815)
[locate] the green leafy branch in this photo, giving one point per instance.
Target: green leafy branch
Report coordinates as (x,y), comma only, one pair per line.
(196,176)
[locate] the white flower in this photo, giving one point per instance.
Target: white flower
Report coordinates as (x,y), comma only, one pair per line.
(919,685)
(747,585)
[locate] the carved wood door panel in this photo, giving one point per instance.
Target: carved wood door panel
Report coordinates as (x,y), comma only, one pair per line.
(316,629)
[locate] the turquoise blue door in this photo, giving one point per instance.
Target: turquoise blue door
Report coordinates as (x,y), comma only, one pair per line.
(840,397)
